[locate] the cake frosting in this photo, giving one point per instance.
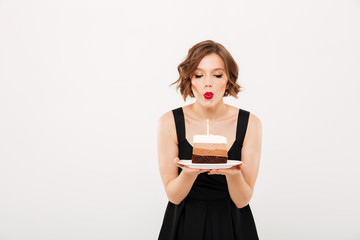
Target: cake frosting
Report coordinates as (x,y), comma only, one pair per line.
(209,139)
(209,149)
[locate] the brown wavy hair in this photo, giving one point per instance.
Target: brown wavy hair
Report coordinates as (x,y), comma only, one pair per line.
(195,55)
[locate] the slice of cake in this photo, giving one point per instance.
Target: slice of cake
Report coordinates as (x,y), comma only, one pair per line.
(209,149)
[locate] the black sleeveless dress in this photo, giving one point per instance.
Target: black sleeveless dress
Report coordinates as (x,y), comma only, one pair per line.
(207,212)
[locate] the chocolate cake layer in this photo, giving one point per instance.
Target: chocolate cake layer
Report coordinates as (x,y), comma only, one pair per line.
(210,152)
(208,159)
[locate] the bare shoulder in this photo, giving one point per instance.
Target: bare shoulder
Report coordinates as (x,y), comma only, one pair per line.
(254,129)
(254,122)
(166,119)
(166,125)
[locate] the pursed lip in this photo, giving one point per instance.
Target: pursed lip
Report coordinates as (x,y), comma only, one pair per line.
(208,95)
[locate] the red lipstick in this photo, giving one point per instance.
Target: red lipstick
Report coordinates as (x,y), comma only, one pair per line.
(208,95)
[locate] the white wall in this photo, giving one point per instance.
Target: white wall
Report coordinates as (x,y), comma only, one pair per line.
(82,84)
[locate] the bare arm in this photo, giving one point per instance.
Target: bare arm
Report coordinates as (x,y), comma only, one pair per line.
(177,186)
(241,179)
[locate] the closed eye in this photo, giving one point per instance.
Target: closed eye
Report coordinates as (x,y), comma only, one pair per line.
(198,76)
(218,76)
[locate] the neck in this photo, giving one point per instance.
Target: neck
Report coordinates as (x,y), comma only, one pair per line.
(214,113)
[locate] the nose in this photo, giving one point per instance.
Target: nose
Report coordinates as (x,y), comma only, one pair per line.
(208,82)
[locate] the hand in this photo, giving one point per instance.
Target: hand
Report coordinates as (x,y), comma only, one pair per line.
(235,170)
(189,170)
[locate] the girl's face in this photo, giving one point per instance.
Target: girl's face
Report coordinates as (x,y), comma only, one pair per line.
(209,81)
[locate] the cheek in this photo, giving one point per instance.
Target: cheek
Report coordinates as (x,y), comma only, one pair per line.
(194,86)
(222,84)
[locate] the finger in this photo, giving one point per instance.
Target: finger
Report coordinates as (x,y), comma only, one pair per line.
(176,161)
(220,171)
(180,166)
(236,167)
(199,169)
(241,166)
(214,172)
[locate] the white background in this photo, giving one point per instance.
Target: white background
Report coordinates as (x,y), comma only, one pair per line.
(82,84)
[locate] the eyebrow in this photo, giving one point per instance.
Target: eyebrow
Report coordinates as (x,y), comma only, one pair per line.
(212,70)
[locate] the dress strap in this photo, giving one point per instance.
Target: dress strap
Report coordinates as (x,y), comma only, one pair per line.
(180,124)
(242,124)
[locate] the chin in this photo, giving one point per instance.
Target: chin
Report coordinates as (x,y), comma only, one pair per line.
(209,103)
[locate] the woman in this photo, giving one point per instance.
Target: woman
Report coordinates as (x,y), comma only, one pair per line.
(208,204)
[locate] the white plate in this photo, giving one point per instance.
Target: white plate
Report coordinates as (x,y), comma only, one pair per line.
(229,164)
